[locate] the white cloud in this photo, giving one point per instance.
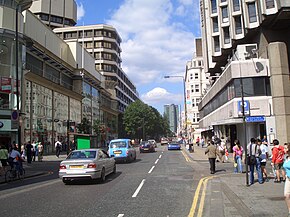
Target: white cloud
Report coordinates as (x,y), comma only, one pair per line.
(80,11)
(161,96)
(154,43)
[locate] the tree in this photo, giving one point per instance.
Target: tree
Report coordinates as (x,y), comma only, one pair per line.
(141,120)
(85,126)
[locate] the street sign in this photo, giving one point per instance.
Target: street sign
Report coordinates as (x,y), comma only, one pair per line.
(14,119)
(246,108)
(255,119)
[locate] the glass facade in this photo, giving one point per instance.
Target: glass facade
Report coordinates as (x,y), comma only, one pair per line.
(47,113)
(8,99)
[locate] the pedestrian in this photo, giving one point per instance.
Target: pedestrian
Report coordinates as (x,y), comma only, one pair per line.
(211,152)
(202,142)
(286,166)
(254,161)
(3,159)
(29,153)
(33,150)
(197,141)
(238,156)
(22,151)
(277,160)
(57,145)
(40,151)
(264,156)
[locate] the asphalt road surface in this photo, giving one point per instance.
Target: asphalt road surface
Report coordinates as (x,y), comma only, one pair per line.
(156,184)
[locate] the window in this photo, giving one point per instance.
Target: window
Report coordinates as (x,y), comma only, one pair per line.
(227,39)
(223,0)
(213,6)
(197,100)
(98,33)
(236,5)
(238,25)
(196,87)
(252,12)
(193,104)
(98,44)
(225,14)
(196,75)
(270,4)
(216,43)
(44,17)
(215,24)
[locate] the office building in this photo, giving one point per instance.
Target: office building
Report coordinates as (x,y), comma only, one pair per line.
(103,43)
(196,85)
(246,53)
(171,113)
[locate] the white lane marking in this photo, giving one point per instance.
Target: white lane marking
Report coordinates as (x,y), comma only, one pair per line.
(156,161)
(160,156)
(152,168)
(28,189)
(139,188)
(121,215)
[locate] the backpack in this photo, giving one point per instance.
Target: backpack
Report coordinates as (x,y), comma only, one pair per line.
(251,157)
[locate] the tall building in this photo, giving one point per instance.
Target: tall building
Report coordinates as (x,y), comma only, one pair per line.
(246,53)
(196,85)
(103,43)
(54,14)
(171,112)
(56,89)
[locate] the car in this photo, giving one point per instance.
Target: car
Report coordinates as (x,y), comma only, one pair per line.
(153,142)
(164,141)
(122,150)
(86,164)
(174,146)
(146,146)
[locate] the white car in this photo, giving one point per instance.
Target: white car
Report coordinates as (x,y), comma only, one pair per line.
(90,164)
(153,142)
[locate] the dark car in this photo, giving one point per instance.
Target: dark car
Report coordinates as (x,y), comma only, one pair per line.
(146,146)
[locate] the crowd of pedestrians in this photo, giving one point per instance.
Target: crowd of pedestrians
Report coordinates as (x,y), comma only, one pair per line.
(258,155)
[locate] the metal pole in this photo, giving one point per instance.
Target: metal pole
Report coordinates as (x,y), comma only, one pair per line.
(17,76)
(185,109)
(244,124)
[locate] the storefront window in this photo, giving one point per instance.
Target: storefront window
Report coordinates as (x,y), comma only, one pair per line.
(8,83)
(75,114)
(87,101)
(60,116)
(41,99)
(95,104)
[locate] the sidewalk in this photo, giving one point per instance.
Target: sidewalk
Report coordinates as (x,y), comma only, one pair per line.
(37,168)
(229,190)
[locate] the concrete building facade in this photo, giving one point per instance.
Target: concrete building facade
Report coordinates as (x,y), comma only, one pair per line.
(103,43)
(246,52)
(56,87)
(196,85)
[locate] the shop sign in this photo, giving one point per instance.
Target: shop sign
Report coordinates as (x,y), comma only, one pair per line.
(14,119)
(255,119)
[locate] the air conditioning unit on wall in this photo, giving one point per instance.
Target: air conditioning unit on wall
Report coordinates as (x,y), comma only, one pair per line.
(246,51)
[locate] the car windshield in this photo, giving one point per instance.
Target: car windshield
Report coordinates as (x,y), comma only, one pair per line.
(120,144)
(82,154)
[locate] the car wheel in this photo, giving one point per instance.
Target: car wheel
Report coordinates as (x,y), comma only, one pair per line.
(135,157)
(103,175)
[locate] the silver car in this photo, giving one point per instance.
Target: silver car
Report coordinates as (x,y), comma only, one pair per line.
(88,164)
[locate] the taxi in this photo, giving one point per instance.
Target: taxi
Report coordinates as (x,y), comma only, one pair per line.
(122,150)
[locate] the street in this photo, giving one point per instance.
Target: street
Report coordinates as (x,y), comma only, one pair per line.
(164,183)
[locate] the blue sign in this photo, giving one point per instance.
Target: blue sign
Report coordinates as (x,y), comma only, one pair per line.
(246,107)
(1,124)
(255,119)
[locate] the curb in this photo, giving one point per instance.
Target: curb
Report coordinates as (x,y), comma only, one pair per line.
(29,176)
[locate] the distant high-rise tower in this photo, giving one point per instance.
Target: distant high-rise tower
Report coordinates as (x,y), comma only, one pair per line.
(171,112)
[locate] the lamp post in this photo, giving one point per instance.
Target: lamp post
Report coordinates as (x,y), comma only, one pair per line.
(184,98)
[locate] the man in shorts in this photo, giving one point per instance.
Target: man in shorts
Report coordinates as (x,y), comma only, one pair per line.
(277,160)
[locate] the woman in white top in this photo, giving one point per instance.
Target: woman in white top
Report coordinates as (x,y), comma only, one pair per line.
(263,159)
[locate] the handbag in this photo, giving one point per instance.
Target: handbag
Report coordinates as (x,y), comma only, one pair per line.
(252,158)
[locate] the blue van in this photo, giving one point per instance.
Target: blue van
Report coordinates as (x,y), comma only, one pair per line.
(122,149)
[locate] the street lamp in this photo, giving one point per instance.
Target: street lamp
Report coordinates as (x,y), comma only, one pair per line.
(184,95)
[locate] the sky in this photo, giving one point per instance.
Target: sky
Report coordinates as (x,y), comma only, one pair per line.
(157,40)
